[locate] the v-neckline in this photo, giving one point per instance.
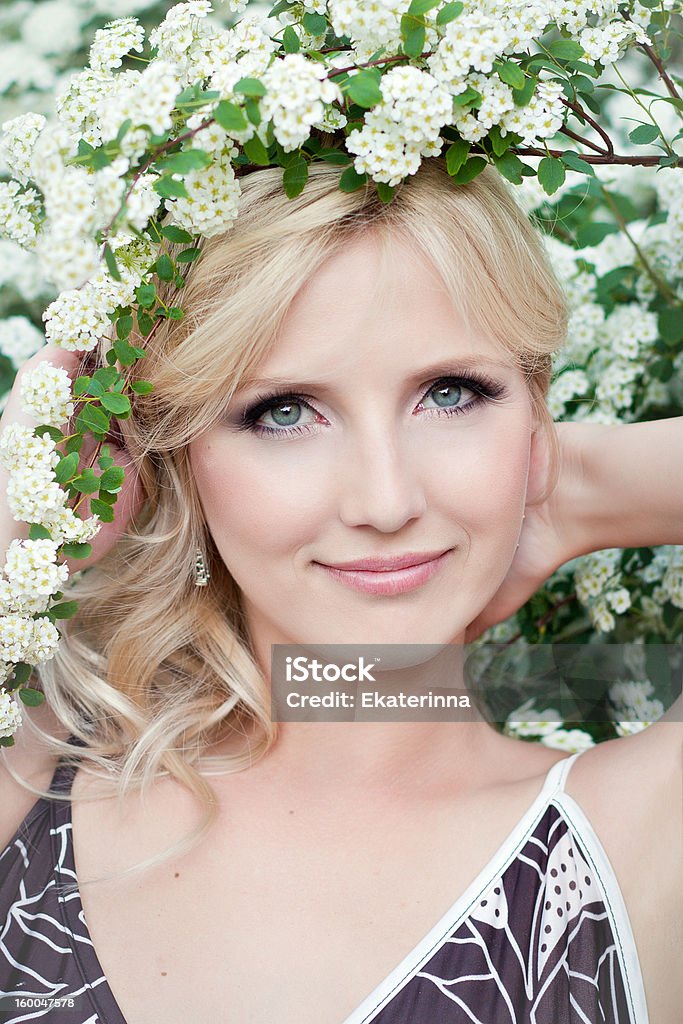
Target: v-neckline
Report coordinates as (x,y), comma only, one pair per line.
(74,915)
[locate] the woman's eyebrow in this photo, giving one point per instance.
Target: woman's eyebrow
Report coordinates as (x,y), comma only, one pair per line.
(445,367)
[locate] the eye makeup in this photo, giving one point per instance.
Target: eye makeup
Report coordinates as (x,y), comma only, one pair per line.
(484,388)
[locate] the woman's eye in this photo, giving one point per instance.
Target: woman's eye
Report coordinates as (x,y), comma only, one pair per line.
(285,415)
(446,394)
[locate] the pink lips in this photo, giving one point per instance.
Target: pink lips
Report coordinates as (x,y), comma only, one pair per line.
(388,576)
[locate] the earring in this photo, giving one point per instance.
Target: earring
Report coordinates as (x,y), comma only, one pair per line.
(201,572)
(523,518)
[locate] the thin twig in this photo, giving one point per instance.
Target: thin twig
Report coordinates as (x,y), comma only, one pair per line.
(579,138)
(580,112)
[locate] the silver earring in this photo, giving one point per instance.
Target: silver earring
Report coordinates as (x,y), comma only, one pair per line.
(201,572)
(523,518)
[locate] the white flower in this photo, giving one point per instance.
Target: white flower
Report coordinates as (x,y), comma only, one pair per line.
(10,711)
(17,141)
(46,394)
(527,722)
(112,42)
(572,740)
(297,88)
(19,339)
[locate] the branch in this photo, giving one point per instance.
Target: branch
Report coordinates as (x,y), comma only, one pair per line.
(604,159)
(580,112)
(661,70)
(584,142)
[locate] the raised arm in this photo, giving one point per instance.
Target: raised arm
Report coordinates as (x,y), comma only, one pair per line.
(630,490)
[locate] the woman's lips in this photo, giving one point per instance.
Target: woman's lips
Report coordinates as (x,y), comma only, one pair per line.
(397,581)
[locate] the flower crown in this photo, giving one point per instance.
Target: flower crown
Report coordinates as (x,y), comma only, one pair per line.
(138,159)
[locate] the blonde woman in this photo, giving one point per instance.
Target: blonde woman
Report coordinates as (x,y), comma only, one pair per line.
(351,381)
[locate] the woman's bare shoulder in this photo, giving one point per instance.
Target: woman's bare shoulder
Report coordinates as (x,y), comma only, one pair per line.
(30,760)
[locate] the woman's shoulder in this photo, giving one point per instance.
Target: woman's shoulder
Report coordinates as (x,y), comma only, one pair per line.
(31,761)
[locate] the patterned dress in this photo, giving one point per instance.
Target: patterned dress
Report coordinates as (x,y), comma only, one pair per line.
(541,936)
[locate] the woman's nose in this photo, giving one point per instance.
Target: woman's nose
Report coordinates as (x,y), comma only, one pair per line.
(380,483)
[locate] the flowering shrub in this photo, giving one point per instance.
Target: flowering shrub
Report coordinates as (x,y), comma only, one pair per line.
(579,106)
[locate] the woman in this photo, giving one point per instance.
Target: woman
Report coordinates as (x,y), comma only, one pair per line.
(351,381)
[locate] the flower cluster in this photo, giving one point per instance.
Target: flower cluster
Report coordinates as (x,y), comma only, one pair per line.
(146,153)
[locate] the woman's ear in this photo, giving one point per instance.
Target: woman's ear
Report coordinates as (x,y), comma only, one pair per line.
(540,481)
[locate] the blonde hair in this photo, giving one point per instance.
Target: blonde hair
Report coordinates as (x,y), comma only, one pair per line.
(153,669)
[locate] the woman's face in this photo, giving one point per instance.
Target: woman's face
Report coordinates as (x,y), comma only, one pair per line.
(389,449)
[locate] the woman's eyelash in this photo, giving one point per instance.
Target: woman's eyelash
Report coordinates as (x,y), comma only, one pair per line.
(484,388)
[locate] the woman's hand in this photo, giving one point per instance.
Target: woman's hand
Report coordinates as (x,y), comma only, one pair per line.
(130,498)
(548,538)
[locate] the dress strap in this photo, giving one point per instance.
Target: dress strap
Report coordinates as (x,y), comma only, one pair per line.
(557,776)
(65,771)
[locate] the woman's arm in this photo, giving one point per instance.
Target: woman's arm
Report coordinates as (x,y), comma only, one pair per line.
(619,486)
(628,492)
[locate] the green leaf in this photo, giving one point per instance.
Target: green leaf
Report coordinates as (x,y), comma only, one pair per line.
(107,376)
(511,167)
(456,154)
(145,324)
(183,163)
(112,479)
(125,353)
(350,180)
(385,192)
(22,673)
(146,295)
(176,235)
(575,163)
(290,40)
(169,188)
(188,255)
(469,171)
(593,233)
(551,174)
(93,419)
(566,49)
(124,325)
(500,143)
(412,35)
(110,260)
(65,609)
(74,444)
(256,152)
(66,468)
(102,509)
(118,405)
(32,698)
(511,74)
(87,482)
(142,387)
(77,550)
(315,24)
(164,268)
(420,7)
(80,386)
(250,87)
(364,89)
(449,12)
(469,97)
(39,532)
(252,110)
(523,96)
(644,134)
(52,432)
(230,117)
(295,176)
(671,325)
